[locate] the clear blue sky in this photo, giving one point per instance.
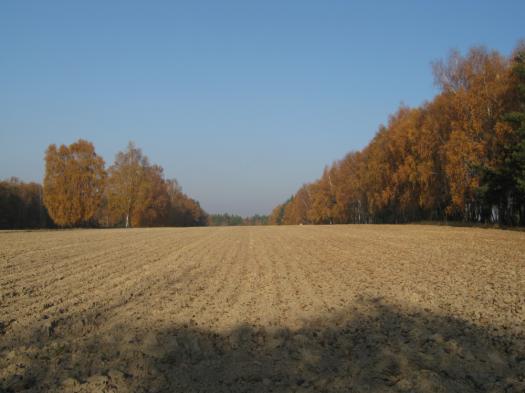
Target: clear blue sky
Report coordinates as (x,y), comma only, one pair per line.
(241,101)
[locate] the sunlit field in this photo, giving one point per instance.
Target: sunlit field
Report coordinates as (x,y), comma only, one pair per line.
(259,309)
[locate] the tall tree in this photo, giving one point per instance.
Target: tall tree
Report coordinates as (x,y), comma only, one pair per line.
(504,184)
(476,87)
(73,183)
(322,199)
(125,183)
(460,156)
(153,202)
(139,195)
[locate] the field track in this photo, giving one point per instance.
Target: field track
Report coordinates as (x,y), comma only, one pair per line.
(258,309)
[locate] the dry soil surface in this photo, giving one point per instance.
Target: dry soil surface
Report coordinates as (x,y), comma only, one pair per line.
(263,309)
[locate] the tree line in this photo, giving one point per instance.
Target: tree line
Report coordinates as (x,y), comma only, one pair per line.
(79,192)
(21,205)
(236,220)
(458,157)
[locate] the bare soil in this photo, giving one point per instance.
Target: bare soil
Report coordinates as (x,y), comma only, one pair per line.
(263,309)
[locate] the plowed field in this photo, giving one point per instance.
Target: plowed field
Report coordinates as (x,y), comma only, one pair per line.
(260,309)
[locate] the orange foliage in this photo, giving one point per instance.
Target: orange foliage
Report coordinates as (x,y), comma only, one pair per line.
(138,195)
(73,183)
(428,162)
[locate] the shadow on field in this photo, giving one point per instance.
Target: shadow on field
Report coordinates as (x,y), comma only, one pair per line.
(372,346)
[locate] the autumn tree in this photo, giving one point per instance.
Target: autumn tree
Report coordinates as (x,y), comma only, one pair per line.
(433,182)
(351,203)
(125,186)
(322,199)
(476,87)
(125,177)
(153,202)
(183,210)
(73,183)
(297,210)
(460,156)
(138,195)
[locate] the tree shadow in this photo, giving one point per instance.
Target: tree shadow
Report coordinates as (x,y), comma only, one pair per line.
(372,346)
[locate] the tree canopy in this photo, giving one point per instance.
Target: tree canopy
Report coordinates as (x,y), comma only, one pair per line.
(78,191)
(73,183)
(460,156)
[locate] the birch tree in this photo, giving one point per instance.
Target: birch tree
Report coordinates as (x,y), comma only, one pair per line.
(73,183)
(125,179)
